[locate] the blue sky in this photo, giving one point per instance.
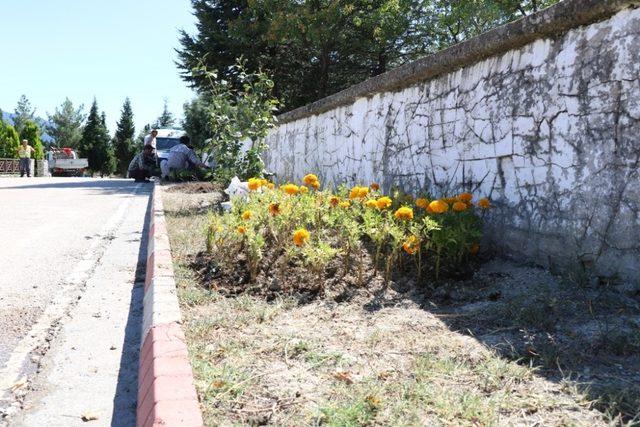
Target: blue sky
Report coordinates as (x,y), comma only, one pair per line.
(110,49)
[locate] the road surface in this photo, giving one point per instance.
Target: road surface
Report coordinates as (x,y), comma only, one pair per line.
(72,257)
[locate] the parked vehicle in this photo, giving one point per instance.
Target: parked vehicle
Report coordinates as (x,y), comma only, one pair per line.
(65,162)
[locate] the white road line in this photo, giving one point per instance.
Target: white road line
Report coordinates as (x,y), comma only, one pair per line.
(61,302)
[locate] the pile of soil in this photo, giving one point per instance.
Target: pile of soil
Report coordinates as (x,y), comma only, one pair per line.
(194,188)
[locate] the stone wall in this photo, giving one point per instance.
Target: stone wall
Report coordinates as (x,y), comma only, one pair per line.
(542,116)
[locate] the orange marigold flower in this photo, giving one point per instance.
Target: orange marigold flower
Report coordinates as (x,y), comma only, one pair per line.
(438,206)
(374,186)
(315,185)
(271,185)
(309,179)
(334,200)
(459,206)
(405,213)
(371,203)
(303,189)
(300,236)
(254,183)
(422,203)
(384,203)
(290,189)
(358,192)
(449,200)
(484,203)
(465,197)
(274,208)
(474,249)
(242,229)
(411,245)
(246,215)
(345,204)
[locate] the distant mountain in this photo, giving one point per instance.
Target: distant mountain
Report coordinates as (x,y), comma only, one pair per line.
(8,117)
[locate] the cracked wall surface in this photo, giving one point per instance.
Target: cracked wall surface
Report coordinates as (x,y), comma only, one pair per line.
(550,132)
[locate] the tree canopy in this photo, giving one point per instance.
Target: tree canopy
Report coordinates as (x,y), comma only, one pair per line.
(9,140)
(123,141)
(96,145)
(65,125)
(313,48)
(31,132)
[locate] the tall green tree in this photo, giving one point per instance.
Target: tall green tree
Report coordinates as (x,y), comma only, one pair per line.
(123,141)
(9,141)
(96,145)
(166,119)
(65,125)
(196,122)
(313,48)
(31,132)
(23,113)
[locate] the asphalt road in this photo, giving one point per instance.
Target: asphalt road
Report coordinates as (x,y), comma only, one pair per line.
(72,257)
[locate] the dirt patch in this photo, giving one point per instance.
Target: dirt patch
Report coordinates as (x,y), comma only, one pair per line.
(193,187)
(512,345)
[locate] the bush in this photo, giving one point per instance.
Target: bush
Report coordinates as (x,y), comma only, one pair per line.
(307,226)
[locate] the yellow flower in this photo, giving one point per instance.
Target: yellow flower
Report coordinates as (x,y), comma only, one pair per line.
(404,213)
(422,203)
(374,186)
(438,206)
(411,245)
(459,206)
(263,182)
(383,203)
(345,204)
(274,208)
(309,179)
(315,185)
(303,189)
(242,230)
(484,203)
(465,197)
(290,189)
(363,192)
(334,200)
(300,236)
(371,203)
(254,183)
(271,185)
(246,215)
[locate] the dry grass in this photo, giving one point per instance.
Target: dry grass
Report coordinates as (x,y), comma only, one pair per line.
(393,359)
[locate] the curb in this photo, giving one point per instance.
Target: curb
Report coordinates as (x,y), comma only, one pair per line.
(166,392)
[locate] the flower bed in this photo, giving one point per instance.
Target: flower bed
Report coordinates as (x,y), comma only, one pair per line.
(302,238)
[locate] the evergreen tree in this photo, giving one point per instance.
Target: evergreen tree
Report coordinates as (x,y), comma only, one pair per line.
(22,113)
(96,145)
(65,125)
(31,132)
(166,119)
(197,118)
(123,140)
(9,141)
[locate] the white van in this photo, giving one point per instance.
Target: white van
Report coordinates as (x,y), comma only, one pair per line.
(166,139)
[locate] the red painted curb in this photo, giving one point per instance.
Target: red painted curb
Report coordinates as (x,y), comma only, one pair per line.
(166,392)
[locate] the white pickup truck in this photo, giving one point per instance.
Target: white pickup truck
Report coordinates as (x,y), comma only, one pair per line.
(65,162)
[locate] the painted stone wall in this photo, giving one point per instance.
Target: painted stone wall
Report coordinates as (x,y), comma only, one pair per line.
(549,131)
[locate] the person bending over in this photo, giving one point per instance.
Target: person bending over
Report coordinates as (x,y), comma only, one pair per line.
(143,165)
(182,158)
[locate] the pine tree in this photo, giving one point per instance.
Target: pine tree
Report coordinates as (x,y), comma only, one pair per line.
(95,144)
(123,140)
(31,132)
(9,141)
(22,113)
(166,119)
(65,125)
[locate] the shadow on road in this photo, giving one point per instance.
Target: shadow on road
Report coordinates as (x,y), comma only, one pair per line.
(125,400)
(101,186)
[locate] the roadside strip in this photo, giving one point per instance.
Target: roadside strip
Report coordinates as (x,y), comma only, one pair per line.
(166,394)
